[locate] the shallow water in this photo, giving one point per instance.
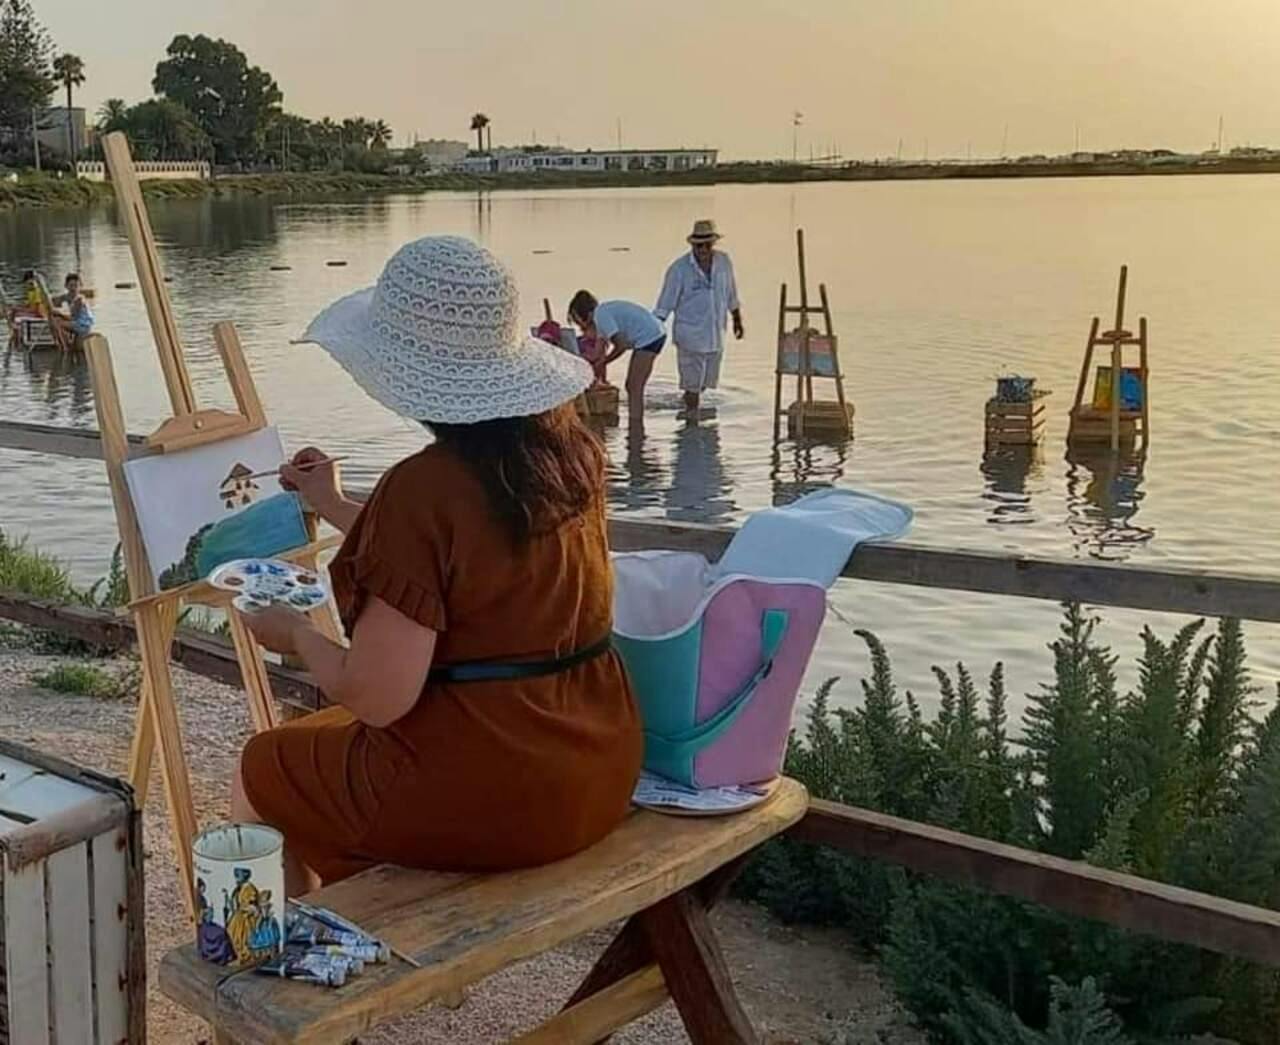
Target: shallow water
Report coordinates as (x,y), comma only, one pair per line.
(935,288)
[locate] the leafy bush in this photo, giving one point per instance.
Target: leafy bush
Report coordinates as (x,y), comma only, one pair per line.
(35,573)
(1173,781)
(88,680)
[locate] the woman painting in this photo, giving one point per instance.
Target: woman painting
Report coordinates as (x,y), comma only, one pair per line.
(482,722)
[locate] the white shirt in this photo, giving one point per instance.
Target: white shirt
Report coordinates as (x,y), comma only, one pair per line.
(700,301)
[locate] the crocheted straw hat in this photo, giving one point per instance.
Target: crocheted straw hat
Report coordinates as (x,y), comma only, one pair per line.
(436,339)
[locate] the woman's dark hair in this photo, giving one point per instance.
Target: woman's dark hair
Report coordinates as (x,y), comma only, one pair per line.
(29,276)
(538,472)
(583,305)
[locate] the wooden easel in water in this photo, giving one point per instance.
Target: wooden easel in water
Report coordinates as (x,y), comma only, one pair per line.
(155,612)
(806,354)
(1120,411)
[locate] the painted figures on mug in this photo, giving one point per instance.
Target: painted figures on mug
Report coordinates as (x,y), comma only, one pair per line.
(252,929)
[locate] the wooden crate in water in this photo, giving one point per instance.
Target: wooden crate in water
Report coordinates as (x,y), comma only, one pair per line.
(1015,424)
(72,952)
(1091,425)
(820,417)
(600,402)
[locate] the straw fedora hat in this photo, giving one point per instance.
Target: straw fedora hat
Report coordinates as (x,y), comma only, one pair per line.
(704,231)
(436,339)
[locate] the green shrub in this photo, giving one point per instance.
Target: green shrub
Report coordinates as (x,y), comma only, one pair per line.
(88,680)
(1173,781)
(34,573)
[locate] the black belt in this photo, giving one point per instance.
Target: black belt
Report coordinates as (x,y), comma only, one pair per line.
(499,671)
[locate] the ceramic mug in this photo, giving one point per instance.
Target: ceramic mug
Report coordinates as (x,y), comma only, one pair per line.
(239,871)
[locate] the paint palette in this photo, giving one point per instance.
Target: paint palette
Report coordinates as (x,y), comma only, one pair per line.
(260,583)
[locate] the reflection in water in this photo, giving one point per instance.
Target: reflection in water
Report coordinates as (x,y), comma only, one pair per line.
(1104,492)
(484,216)
(58,381)
(800,466)
(1007,472)
(701,487)
(638,483)
(206,228)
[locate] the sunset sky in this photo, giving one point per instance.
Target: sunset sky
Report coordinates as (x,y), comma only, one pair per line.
(729,73)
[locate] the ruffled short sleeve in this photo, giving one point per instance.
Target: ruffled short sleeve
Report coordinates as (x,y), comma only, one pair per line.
(398,550)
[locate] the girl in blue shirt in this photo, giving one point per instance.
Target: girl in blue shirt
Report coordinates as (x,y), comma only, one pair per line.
(623,326)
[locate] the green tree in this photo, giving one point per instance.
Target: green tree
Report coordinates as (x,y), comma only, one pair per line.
(161,129)
(112,115)
(478,123)
(68,69)
(232,101)
(25,77)
(379,134)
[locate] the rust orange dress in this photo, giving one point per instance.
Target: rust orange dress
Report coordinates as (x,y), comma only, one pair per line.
(479,775)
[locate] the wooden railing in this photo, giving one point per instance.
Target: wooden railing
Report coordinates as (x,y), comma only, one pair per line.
(1122,900)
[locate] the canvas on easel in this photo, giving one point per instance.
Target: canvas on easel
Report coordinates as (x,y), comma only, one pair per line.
(207,437)
(204,507)
(1119,411)
(805,353)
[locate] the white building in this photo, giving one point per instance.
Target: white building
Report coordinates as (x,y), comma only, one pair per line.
(52,130)
(441,152)
(531,160)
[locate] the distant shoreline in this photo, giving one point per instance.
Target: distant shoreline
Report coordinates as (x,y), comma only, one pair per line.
(49,191)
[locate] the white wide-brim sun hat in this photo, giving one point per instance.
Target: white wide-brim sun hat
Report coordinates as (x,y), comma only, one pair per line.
(437,339)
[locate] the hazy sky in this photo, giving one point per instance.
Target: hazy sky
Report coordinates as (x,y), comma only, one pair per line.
(729,73)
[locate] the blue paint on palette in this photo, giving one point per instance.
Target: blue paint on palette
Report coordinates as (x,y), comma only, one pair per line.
(266,528)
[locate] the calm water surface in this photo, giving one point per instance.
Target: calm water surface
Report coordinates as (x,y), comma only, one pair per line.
(936,288)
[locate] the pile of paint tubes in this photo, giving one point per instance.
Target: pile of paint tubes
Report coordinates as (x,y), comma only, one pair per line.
(323,948)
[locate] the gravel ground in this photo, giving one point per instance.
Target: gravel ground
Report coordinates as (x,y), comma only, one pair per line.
(798,985)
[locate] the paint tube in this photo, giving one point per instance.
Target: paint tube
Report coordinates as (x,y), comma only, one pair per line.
(357,952)
(326,917)
(316,926)
(353,944)
(306,969)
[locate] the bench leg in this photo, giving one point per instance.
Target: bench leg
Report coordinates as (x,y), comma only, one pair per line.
(680,936)
(631,950)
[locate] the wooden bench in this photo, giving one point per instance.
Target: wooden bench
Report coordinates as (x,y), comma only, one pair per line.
(661,873)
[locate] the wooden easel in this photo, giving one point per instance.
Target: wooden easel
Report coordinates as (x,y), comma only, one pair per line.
(1115,425)
(807,414)
(156,613)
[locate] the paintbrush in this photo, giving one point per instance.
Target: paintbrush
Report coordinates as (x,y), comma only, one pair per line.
(304,466)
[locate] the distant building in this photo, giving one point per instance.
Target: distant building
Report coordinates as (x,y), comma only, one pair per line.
(51,130)
(441,152)
(534,159)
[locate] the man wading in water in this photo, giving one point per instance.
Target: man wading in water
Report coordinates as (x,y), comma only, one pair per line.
(700,291)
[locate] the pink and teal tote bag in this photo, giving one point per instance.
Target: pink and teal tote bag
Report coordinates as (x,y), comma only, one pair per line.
(715,661)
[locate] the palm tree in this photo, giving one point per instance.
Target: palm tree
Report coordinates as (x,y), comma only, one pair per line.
(69,69)
(112,114)
(380,134)
(478,123)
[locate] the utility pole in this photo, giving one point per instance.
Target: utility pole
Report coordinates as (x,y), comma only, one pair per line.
(796,119)
(1004,143)
(35,139)
(619,133)
(1219,135)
